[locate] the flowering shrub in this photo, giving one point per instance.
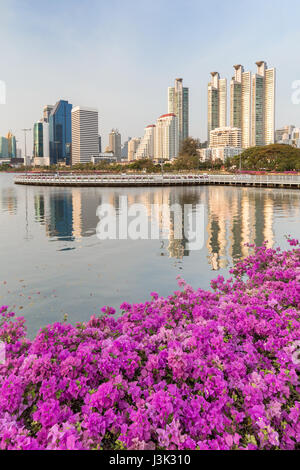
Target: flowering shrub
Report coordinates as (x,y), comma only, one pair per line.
(196,370)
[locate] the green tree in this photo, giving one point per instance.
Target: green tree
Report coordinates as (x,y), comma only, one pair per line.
(189,147)
(276,157)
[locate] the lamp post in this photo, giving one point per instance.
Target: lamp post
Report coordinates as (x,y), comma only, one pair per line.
(25,134)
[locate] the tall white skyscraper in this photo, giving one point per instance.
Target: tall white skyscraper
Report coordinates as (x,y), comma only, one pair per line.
(269,103)
(252,104)
(178,104)
(217,103)
(166,137)
(146,148)
(85,135)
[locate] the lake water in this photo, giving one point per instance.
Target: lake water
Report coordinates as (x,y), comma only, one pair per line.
(53,263)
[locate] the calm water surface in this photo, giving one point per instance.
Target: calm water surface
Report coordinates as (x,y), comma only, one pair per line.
(52,262)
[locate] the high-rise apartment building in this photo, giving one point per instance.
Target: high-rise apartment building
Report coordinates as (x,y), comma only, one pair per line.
(178,104)
(166,137)
(146,148)
(115,143)
(85,135)
(217,103)
(226,137)
(252,104)
(60,133)
(269,103)
(133,145)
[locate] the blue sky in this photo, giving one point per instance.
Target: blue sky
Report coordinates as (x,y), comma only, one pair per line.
(121,55)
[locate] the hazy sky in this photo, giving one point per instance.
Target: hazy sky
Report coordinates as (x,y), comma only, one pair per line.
(121,55)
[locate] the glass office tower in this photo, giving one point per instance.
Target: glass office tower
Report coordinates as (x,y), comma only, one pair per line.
(38,150)
(60,133)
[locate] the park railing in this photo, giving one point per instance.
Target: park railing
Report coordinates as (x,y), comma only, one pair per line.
(154,179)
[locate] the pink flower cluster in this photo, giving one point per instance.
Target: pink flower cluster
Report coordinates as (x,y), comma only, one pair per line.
(196,370)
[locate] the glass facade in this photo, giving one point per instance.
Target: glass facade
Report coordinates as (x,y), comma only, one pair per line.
(38,150)
(213,110)
(3,147)
(178,103)
(236,107)
(258,110)
(60,133)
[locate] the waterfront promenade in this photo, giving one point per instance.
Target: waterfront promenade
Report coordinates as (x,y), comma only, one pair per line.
(122,180)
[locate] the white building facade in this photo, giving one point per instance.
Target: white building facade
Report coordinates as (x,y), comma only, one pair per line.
(133,146)
(166,138)
(85,135)
(252,104)
(226,137)
(146,148)
(217,103)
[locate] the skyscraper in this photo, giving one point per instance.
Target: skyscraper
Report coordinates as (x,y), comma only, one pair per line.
(240,103)
(115,143)
(178,104)
(269,101)
(3,147)
(146,148)
(41,147)
(166,137)
(217,103)
(60,133)
(12,145)
(85,135)
(252,104)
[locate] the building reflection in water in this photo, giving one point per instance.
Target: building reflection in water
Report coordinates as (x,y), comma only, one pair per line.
(9,201)
(234,216)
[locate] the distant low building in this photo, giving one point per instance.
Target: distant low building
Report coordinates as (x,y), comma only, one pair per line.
(17,162)
(226,137)
(107,157)
(219,153)
(288,135)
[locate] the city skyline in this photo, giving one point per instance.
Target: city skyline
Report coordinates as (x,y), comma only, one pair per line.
(133,98)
